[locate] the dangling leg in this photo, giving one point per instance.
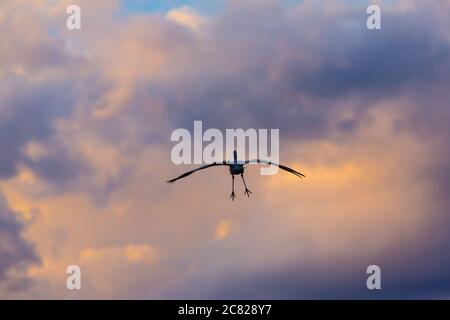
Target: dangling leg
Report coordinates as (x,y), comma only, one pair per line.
(247,192)
(233,196)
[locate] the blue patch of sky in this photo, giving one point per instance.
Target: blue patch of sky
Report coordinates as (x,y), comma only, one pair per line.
(205,7)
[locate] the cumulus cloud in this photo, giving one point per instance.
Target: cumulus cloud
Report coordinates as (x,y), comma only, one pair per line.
(187,17)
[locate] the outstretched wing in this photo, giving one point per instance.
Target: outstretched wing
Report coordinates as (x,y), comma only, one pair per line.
(199,168)
(298,174)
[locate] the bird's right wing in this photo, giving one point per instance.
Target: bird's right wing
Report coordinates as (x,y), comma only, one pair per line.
(197,169)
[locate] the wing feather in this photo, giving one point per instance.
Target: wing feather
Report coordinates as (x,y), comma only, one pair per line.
(256,161)
(197,169)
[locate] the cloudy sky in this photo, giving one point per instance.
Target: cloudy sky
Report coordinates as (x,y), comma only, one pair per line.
(85,124)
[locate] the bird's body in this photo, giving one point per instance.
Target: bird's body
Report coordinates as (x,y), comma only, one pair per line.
(237,168)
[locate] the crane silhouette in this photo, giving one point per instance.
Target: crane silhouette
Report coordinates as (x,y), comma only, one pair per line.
(237,168)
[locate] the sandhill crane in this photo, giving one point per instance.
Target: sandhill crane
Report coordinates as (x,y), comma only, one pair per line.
(237,167)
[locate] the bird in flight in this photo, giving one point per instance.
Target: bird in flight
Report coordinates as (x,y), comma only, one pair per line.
(237,168)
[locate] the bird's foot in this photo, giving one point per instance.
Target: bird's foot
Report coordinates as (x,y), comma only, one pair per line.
(247,192)
(233,196)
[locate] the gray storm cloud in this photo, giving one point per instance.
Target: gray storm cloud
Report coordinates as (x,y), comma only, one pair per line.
(16,253)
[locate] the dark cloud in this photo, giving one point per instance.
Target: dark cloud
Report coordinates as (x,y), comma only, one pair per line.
(28,114)
(15,252)
(418,276)
(58,166)
(38,88)
(283,78)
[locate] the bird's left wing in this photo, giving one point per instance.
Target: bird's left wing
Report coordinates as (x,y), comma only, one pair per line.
(255,161)
(197,169)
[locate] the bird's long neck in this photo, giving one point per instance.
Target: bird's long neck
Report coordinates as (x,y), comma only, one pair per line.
(235,156)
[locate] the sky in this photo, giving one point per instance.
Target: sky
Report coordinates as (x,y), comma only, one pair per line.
(85,123)
(163,6)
